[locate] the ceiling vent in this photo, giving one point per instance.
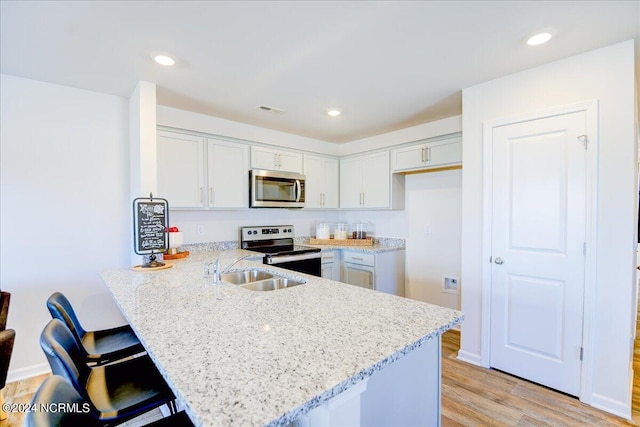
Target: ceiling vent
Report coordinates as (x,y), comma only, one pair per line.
(272,110)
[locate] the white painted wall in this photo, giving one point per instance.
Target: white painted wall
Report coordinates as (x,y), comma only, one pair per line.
(64,206)
(606,75)
(434,215)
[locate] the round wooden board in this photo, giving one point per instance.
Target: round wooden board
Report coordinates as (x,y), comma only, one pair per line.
(162,267)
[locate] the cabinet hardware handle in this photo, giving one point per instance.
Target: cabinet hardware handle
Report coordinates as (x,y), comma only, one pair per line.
(428,151)
(422,154)
(363,199)
(499,261)
(201,194)
(357,259)
(211,196)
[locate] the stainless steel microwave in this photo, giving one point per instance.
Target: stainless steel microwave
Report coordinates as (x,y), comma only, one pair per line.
(275,189)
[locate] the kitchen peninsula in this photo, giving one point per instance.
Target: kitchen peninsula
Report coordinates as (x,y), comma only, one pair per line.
(321,353)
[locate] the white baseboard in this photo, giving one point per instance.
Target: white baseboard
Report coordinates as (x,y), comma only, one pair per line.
(28,372)
(615,407)
(474,359)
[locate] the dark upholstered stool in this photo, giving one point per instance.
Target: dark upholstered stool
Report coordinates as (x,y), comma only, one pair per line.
(101,346)
(7,338)
(117,391)
(56,390)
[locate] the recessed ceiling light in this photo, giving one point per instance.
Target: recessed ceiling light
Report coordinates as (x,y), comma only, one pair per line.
(539,39)
(334,112)
(165,60)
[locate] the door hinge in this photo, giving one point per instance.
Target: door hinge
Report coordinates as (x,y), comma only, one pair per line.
(581,353)
(490,259)
(584,139)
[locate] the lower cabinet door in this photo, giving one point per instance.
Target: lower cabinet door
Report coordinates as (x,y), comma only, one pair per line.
(359,275)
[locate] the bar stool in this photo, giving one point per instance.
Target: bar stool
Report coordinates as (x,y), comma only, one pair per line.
(101,346)
(7,339)
(56,390)
(116,392)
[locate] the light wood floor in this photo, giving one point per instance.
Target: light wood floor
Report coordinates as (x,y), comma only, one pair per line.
(471,396)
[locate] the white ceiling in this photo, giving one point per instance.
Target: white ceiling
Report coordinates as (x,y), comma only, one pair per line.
(387,65)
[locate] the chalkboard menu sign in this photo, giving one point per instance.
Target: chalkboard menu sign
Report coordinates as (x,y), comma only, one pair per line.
(150,220)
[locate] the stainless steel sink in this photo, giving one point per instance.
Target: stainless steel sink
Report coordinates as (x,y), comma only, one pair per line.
(272,284)
(245,276)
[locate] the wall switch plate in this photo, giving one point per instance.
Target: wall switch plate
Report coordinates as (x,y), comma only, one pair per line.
(200,229)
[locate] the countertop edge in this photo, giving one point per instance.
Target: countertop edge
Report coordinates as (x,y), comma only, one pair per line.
(336,390)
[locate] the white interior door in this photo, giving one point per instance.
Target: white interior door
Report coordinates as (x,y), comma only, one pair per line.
(538,244)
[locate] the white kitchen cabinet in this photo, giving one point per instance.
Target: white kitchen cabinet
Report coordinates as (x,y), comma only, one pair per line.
(331,265)
(227,174)
(322,182)
(427,155)
(194,172)
(366,182)
(383,271)
(275,159)
(180,169)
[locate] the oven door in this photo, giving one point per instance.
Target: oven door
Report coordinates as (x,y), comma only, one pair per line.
(272,189)
(310,263)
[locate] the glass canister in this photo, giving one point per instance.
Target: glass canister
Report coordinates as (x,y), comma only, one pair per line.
(341,231)
(323,230)
(359,230)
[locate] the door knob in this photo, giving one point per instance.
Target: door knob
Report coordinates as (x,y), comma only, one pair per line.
(499,261)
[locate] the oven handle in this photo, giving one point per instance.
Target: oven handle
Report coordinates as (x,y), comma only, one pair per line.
(289,258)
(298,190)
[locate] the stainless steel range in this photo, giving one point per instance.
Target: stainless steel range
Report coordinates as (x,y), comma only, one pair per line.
(276,242)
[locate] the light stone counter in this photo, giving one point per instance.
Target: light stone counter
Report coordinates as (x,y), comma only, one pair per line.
(266,358)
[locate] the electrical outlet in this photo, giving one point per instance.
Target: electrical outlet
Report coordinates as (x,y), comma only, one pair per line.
(200,229)
(450,285)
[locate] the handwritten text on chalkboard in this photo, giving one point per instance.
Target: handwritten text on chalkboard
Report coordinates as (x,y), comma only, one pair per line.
(151,220)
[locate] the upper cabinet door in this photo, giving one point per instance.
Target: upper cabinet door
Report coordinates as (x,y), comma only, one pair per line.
(322,182)
(427,155)
(408,158)
(313,183)
(366,182)
(272,159)
(375,179)
(351,183)
(331,184)
(180,172)
(228,174)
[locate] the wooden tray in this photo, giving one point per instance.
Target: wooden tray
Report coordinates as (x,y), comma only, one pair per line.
(141,268)
(178,255)
(346,242)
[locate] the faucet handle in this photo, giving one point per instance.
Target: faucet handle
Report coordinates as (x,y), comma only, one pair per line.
(216,271)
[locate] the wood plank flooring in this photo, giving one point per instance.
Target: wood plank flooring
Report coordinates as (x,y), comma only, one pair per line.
(471,396)
(474,396)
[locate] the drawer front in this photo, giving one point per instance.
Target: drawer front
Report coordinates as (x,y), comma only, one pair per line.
(359,258)
(328,256)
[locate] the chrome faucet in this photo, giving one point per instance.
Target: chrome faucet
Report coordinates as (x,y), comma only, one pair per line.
(217,274)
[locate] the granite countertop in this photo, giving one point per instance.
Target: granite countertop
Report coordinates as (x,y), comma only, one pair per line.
(266,358)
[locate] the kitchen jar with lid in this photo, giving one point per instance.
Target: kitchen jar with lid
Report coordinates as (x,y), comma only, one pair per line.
(341,231)
(323,230)
(359,230)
